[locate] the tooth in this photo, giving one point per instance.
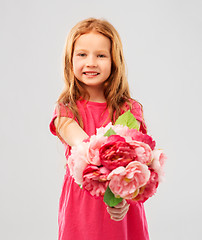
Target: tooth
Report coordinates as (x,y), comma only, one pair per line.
(91,73)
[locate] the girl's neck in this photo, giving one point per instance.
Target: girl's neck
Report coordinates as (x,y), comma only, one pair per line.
(96,94)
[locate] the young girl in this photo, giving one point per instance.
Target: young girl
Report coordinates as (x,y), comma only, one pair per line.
(96,92)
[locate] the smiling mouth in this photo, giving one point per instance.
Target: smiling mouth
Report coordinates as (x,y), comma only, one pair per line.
(91,73)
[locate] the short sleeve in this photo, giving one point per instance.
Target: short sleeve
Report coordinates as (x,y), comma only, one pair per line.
(61,110)
(137,111)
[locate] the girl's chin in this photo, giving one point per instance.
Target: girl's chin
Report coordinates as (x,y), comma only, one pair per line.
(91,83)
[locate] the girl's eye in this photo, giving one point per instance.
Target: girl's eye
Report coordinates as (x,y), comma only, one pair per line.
(101,55)
(82,54)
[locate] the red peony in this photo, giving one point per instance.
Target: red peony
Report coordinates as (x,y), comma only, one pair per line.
(116,152)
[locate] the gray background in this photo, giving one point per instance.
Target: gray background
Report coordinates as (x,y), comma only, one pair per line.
(162,46)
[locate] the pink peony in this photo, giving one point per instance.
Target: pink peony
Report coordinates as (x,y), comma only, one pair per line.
(143,152)
(93,150)
(116,152)
(120,130)
(95,180)
(102,130)
(149,189)
(158,162)
(141,137)
(78,161)
(125,182)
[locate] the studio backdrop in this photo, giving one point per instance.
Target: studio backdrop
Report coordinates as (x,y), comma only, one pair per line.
(163,52)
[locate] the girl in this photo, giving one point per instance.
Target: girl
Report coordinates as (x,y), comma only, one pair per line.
(96,92)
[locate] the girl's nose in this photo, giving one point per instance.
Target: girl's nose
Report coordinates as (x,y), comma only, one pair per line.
(91,61)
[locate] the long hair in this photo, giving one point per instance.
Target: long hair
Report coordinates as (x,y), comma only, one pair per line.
(116,89)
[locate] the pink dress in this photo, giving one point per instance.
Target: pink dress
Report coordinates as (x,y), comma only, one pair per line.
(83,217)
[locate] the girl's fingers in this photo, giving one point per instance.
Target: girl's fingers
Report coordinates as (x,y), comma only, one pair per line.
(119,208)
(118,214)
(119,211)
(119,217)
(121,204)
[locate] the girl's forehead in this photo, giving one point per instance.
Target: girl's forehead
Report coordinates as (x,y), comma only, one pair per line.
(93,40)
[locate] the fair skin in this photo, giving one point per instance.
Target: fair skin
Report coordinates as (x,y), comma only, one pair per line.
(92,67)
(92,63)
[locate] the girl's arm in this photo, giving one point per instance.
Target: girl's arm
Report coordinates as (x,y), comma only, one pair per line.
(70,131)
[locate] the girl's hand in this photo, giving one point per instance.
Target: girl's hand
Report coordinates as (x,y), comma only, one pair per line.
(118,212)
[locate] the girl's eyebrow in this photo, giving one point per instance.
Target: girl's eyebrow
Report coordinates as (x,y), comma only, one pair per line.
(80,50)
(97,51)
(103,51)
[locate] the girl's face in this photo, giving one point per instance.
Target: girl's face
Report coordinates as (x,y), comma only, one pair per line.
(92,59)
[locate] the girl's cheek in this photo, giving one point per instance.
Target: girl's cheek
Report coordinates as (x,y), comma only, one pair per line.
(79,66)
(76,64)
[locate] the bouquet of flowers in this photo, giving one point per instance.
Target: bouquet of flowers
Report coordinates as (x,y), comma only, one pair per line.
(118,162)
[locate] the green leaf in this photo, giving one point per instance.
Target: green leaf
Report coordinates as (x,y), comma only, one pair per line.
(110,199)
(110,132)
(127,119)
